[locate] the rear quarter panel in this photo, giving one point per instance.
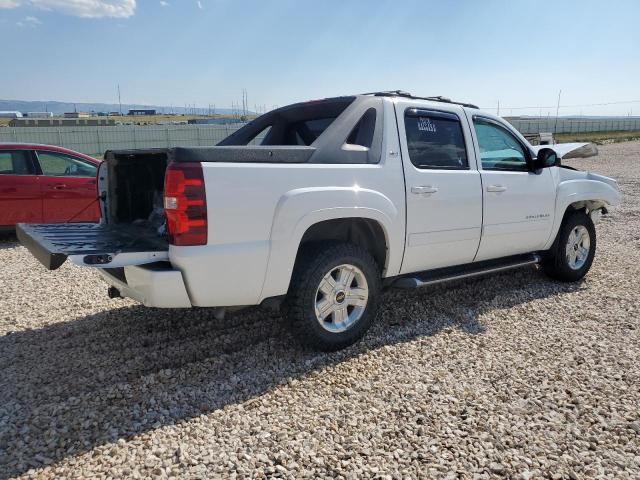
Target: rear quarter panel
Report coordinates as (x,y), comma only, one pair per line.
(257,214)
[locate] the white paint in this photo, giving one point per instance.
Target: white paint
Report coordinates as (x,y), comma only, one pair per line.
(258,213)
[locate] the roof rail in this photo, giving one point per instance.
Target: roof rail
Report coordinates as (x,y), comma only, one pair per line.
(400,93)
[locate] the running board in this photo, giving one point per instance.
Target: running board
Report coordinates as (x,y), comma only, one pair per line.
(469,270)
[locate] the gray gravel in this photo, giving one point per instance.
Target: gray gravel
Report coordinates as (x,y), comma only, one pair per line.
(512,376)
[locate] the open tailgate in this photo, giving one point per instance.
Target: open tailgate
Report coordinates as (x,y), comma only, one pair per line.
(92,244)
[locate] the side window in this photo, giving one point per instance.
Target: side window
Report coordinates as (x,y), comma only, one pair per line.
(435,140)
(15,162)
(499,148)
(362,133)
(60,165)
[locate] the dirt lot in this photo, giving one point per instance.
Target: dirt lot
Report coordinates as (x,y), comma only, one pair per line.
(513,375)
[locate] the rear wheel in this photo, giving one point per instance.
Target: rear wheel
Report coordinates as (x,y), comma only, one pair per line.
(333,296)
(571,255)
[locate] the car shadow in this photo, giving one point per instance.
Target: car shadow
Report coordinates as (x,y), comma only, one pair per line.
(75,385)
(8,240)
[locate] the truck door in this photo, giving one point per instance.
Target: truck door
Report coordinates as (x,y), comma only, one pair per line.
(519,204)
(443,187)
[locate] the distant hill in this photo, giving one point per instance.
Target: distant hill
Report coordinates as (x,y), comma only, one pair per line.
(58,108)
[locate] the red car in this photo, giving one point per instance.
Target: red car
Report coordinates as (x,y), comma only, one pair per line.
(46,184)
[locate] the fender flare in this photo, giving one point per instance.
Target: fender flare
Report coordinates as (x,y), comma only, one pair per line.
(306,207)
(594,194)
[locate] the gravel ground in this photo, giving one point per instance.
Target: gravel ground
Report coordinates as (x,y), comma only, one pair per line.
(510,376)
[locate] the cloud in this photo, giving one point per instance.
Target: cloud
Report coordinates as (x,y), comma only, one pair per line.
(163,3)
(79,8)
(29,21)
(199,3)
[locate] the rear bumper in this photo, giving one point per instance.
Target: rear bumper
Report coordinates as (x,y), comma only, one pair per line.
(154,285)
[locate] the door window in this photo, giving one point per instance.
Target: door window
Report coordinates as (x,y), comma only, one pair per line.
(499,148)
(60,165)
(435,140)
(15,162)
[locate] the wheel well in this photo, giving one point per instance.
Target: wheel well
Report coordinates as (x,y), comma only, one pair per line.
(586,206)
(364,232)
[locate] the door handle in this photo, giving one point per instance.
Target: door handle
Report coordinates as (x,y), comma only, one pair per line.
(424,189)
(496,188)
(59,186)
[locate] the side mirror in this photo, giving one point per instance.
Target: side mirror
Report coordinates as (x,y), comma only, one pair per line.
(547,157)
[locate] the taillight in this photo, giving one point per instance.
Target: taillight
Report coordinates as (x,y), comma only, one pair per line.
(185,204)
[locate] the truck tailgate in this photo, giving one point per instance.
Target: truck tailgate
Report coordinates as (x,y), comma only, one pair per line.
(92,244)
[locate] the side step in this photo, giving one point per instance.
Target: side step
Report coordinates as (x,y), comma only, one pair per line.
(469,270)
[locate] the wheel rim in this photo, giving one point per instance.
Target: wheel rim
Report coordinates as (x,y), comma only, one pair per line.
(578,246)
(341,298)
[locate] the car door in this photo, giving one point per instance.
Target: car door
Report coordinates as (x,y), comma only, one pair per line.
(443,188)
(20,194)
(518,204)
(69,188)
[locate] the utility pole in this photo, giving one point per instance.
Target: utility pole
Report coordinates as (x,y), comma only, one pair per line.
(119,100)
(245,102)
(498,113)
(555,128)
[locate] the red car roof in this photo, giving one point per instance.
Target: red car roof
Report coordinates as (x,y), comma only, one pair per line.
(49,148)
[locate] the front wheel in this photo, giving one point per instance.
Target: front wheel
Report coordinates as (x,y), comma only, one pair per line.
(333,296)
(571,255)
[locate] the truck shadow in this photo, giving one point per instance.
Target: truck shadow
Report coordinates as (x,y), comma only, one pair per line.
(72,386)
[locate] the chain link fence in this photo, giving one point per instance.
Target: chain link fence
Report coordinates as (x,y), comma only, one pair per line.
(569,125)
(96,140)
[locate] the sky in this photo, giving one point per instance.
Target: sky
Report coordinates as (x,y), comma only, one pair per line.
(176,52)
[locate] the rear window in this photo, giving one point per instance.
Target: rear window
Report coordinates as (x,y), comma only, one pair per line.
(15,163)
(435,140)
(299,124)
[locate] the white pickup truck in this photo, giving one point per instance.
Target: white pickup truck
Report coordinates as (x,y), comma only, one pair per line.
(317,206)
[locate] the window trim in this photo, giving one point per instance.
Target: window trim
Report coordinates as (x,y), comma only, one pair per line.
(528,156)
(415,112)
(81,160)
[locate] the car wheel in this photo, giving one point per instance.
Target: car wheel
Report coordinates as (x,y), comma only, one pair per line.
(571,255)
(333,296)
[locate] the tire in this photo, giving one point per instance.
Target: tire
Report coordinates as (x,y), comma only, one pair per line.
(571,255)
(330,315)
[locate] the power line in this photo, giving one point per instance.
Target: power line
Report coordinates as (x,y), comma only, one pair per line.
(569,106)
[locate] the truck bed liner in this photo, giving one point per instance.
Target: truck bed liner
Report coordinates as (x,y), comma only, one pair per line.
(51,244)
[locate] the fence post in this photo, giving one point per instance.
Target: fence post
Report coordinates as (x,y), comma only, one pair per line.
(168,136)
(59,138)
(135,142)
(98,140)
